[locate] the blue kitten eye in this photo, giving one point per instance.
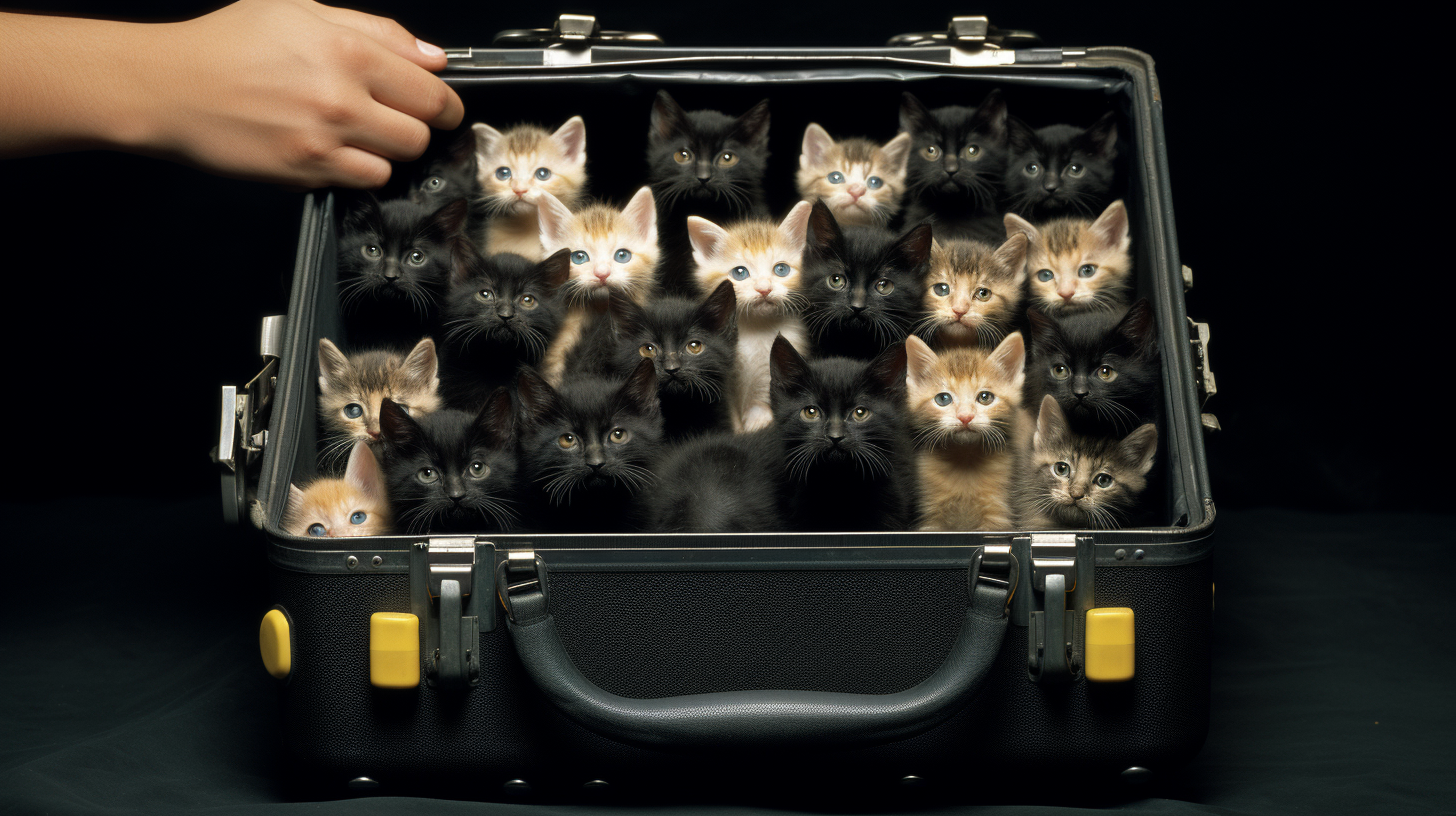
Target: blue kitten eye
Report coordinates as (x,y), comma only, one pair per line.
(622,256)
(836,177)
(316,530)
(941,289)
(944,398)
(1045,275)
(1086,271)
(353,410)
(781,269)
(1062,469)
(874,182)
(503,173)
(542,173)
(580,257)
(739,273)
(358,517)
(1103,481)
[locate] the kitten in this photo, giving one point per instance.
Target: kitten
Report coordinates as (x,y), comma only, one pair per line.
(355,505)
(865,286)
(1104,369)
(352,387)
(703,163)
(1060,170)
(452,471)
(446,173)
(501,313)
(1082,482)
(1075,264)
(719,483)
(692,345)
(394,260)
(862,182)
(763,263)
(585,448)
(514,167)
(973,292)
(965,404)
(847,453)
(611,251)
(958,156)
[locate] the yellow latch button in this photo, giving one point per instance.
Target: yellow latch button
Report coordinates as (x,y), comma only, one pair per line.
(394,650)
(276,644)
(1109,645)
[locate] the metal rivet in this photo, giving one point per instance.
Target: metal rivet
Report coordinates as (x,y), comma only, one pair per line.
(912,782)
(1120,554)
(517,786)
(351,562)
(1137,775)
(1138,555)
(378,560)
(597,785)
(363,783)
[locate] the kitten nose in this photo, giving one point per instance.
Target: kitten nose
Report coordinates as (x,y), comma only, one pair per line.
(519,193)
(703,171)
(505,312)
(857,190)
(602,274)
(1079,388)
(960,310)
(763,287)
(857,301)
(672,363)
(951,166)
(1050,185)
(391,271)
(966,419)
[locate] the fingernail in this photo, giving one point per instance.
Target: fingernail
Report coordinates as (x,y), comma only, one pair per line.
(427,49)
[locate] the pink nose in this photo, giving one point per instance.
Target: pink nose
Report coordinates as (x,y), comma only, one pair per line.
(763,288)
(1067,296)
(603,274)
(518,193)
(857,190)
(965,420)
(960,311)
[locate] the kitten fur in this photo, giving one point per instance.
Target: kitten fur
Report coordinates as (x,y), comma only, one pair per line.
(719,483)
(1060,170)
(704,163)
(445,173)
(611,251)
(452,471)
(358,384)
(847,451)
(763,262)
(1104,369)
(1077,264)
(501,313)
(1082,482)
(969,447)
(356,505)
(861,181)
(865,286)
(957,159)
(522,154)
(973,292)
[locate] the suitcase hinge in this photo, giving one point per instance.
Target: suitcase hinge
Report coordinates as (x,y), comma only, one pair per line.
(244,429)
(1051,638)
(571,31)
(444,578)
(1199,335)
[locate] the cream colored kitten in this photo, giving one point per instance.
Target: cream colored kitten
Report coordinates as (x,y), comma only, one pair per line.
(514,167)
(762,261)
(611,251)
(861,182)
(1077,265)
(356,505)
(973,291)
(965,409)
(351,387)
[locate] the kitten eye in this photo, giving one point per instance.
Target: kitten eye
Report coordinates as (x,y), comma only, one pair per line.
(683,156)
(874,182)
(1061,372)
(542,173)
(810,414)
(648,350)
(836,282)
(433,183)
(695,347)
(1045,275)
(884,286)
(973,151)
(580,257)
(416,258)
(1086,271)
(622,256)
(941,289)
(485,296)
(782,270)
(566,441)
(985,398)
(372,252)
(427,475)
(358,517)
(1031,169)
(317,530)
(503,173)
(353,410)
(1107,373)
(860,414)
(727,159)
(478,470)
(1103,481)
(930,152)
(739,272)
(983,294)
(836,177)
(529,302)
(1062,469)
(620,435)
(1075,170)
(944,398)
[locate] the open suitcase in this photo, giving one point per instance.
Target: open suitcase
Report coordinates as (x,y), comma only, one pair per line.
(560,664)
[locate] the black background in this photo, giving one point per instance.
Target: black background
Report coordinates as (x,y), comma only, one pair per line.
(135,290)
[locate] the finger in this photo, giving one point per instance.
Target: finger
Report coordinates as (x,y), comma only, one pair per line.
(415,92)
(388,33)
(386,132)
(355,168)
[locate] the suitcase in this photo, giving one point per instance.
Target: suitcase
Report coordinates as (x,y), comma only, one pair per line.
(565,665)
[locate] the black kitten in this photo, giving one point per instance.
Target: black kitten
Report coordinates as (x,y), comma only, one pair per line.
(394,260)
(1060,170)
(719,483)
(692,345)
(445,173)
(702,163)
(585,449)
(1103,368)
(957,159)
(451,471)
(849,460)
(865,286)
(501,313)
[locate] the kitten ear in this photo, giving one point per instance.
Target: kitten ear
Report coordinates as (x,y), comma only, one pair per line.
(823,236)
(1015,223)
(886,373)
(1101,138)
(640,390)
(395,426)
(1139,326)
(913,248)
(817,144)
(537,397)
(1111,227)
(1019,135)
(422,367)
(555,220)
(448,224)
(668,118)
(752,127)
(486,139)
(364,474)
(362,212)
(1136,450)
(333,365)
(1010,359)
(720,311)
(706,237)
(1051,425)
(795,226)
(1041,325)
(914,116)
(1011,255)
(571,139)
(626,315)
(641,213)
(896,154)
(920,362)
(787,369)
(991,116)
(496,420)
(555,270)
(296,497)
(462,148)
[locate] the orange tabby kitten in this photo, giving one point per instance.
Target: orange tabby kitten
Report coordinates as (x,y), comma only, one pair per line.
(965,409)
(355,505)
(1077,265)
(973,291)
(860,181)
(762,261)
(515,167)
(351,387)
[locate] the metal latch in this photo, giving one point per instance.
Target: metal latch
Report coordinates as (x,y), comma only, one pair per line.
(443,575)
(571,31)
(244,428)
(1051,635)
(1203,380)
(970,32)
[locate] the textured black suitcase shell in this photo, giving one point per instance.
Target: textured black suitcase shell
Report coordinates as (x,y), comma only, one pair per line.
(647,616)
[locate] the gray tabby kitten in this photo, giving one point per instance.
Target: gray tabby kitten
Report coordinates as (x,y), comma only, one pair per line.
(1082,482)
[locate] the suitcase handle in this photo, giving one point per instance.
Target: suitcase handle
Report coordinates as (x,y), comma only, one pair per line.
(744,719)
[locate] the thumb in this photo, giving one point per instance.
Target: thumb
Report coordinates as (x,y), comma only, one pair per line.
(388,33)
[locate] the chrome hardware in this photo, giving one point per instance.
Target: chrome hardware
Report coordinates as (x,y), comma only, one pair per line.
(518,573)
(996,565)
(570,31)
(450,559)
(445,597)
(970,32)
(244,428)
(1050,641)
(1187,279)
(1203,379)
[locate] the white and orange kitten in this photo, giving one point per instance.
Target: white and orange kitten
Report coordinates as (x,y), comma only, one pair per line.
(355,505)
(862,182)
(1076,264)
(973,291)
(515,167)
(351,388)
(970,431)
(763,262)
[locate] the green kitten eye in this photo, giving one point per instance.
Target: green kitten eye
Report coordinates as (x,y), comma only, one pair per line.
(985,398)
(1086,271)
(983,294)
(358,517)
(372,251)
(1107,373)
(478,470)
(485,296)
(1062,469)
(836,282)
(1075,170)
(874,182)
(416,258)
(941,289)
(739,272)
(944,398)
(566,441)
(1103,481)
(836,177)
(353,410)
(860,414)
(810,414)
(542,173)
(1031,169)
(503,173)
(317,530)
(782,270)
(580,257)
(427,475)
(930,152)
(648,350)
(683,156)
(727,159)
(529,302)
(1045,275)
(620,436)
(622,256)
(884,286)
(433,183)
(973,151)
(695,347)
(1061,372)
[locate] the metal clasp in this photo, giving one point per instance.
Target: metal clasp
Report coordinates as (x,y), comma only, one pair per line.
(1050,644)
(443,575)
(1198,336)
(969,32)
(243,432)
(571,31)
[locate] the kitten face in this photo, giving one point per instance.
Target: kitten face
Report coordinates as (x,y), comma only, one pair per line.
(610,250)
(965,396)
(1077,265)
(447,174)
(356,505)
(516,165)
(958,154)
(762,262)
(864,285)
(860,181)
(973,291)
(705,156)
(690,344)
(1060,170)
(397,251)
(1102,369)
(506,302)
(353,387)
(1080,481)
(451,471)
